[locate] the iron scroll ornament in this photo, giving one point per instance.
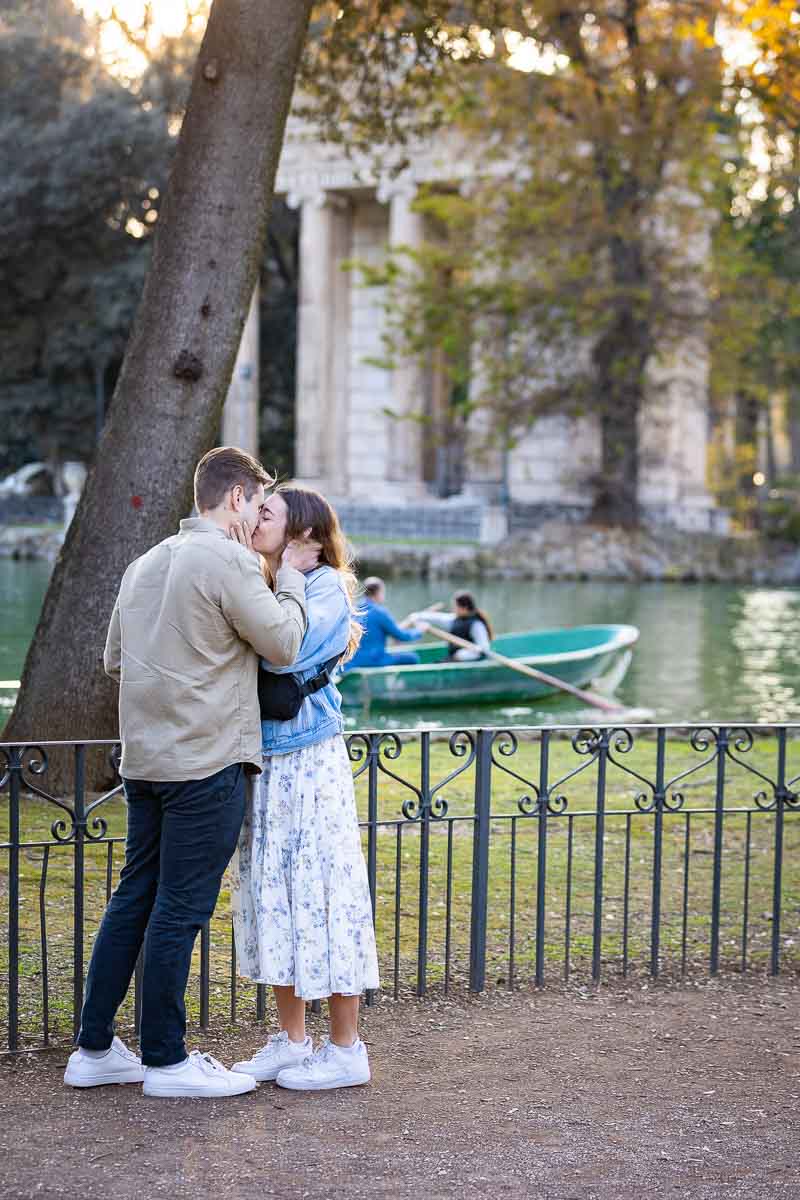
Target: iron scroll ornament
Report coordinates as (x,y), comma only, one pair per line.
(782,793)
(30,763)
(383,748)
(535,800)
(663,796)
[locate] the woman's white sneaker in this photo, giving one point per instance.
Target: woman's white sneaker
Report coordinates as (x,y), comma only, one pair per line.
(278,1053)
(331,1066)
(117,1065)
(200,1076)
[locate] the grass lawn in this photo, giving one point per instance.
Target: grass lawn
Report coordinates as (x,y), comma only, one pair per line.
(46,885)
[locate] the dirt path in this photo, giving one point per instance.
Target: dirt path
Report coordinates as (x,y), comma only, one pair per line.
(691,1091)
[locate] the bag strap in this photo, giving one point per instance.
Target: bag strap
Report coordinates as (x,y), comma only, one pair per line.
(321,679)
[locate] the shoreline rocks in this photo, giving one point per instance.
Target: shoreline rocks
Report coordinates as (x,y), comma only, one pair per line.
(30,542)
(563,551)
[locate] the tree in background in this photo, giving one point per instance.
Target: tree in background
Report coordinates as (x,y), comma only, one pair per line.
(84,165)
(772,72)
(89,138)
(757,300)
(771,219)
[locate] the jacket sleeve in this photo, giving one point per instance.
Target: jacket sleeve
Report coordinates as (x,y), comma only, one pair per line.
(328,616)
(112,654)
(392,629)
(439,619)
(273,624)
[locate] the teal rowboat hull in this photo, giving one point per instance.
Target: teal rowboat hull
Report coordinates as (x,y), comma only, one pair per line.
(577,656)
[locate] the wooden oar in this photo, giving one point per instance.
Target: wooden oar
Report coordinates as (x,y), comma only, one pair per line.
(531,672)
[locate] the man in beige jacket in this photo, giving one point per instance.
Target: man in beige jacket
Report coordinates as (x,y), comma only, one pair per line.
(192,618)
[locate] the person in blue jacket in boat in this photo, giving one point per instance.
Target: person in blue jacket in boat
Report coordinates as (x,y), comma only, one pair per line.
(379,624)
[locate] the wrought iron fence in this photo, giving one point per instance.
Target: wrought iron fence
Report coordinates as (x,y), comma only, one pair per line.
(495,856)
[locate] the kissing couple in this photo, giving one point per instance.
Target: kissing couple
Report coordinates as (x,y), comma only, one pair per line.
(223,639)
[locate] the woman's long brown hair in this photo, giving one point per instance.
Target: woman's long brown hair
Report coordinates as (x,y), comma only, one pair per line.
(308,509)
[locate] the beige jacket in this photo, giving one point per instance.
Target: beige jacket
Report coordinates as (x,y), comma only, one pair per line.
(192,617)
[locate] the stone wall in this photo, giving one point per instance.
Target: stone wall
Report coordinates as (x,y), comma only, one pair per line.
(555,461)
(559,550)
(401,522)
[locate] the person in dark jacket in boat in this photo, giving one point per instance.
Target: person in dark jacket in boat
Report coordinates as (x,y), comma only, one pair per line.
(379,624)
(466,621)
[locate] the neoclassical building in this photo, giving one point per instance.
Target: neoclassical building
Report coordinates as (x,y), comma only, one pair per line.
(386,474)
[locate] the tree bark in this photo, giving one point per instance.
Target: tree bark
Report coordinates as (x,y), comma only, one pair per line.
(167,405)
(620,359)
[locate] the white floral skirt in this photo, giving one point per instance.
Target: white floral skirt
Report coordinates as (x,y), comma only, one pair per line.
(300,897)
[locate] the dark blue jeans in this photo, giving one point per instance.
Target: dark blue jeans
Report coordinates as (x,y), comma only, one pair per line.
(180,839)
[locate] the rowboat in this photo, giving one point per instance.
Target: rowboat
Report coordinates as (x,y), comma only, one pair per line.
(580,656)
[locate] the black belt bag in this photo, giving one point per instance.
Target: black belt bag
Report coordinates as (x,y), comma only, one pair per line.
(280,697)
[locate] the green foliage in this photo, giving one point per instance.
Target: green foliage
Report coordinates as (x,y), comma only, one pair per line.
(756,326)
(780,517)
(86,161)
(89,152)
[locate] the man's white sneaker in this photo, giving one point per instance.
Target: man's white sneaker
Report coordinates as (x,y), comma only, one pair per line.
(278,1053)
(331,1066)
(200,1076)
(117,1065)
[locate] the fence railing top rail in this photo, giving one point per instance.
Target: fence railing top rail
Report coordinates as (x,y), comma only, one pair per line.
(448,730)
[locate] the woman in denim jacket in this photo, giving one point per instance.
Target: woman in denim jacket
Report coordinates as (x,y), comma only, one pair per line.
(301,903)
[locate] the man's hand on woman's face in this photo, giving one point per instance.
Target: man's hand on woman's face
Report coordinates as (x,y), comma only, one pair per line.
(241,532)
(301,553)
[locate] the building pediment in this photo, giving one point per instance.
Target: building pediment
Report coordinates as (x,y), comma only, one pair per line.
(310,166)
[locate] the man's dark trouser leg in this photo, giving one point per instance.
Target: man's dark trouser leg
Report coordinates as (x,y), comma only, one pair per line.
(121,933)
(200,827)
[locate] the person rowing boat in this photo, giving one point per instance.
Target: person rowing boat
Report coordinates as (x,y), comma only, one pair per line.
(466,621)
(379,625)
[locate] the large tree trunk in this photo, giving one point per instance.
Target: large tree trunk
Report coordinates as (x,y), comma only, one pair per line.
(620,360)
(168,401)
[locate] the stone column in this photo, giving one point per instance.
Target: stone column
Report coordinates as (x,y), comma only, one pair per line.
(404,466)
(240,416)
(321,405)
(674,422)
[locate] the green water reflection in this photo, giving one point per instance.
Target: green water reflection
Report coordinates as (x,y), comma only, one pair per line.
(22,588)
(707,651)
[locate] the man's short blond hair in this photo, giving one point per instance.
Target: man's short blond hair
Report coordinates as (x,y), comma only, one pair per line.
(224,468)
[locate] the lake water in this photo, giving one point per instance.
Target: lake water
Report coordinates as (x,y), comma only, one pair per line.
(707,651)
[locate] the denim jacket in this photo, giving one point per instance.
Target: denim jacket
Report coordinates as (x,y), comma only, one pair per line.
(327,634)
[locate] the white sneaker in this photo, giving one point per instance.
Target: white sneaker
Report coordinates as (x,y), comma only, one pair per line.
(117,1065)
(278,1053)
(201,1076)
(330,1067)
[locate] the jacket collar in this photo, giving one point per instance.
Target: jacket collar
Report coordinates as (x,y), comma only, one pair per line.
(201,525)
